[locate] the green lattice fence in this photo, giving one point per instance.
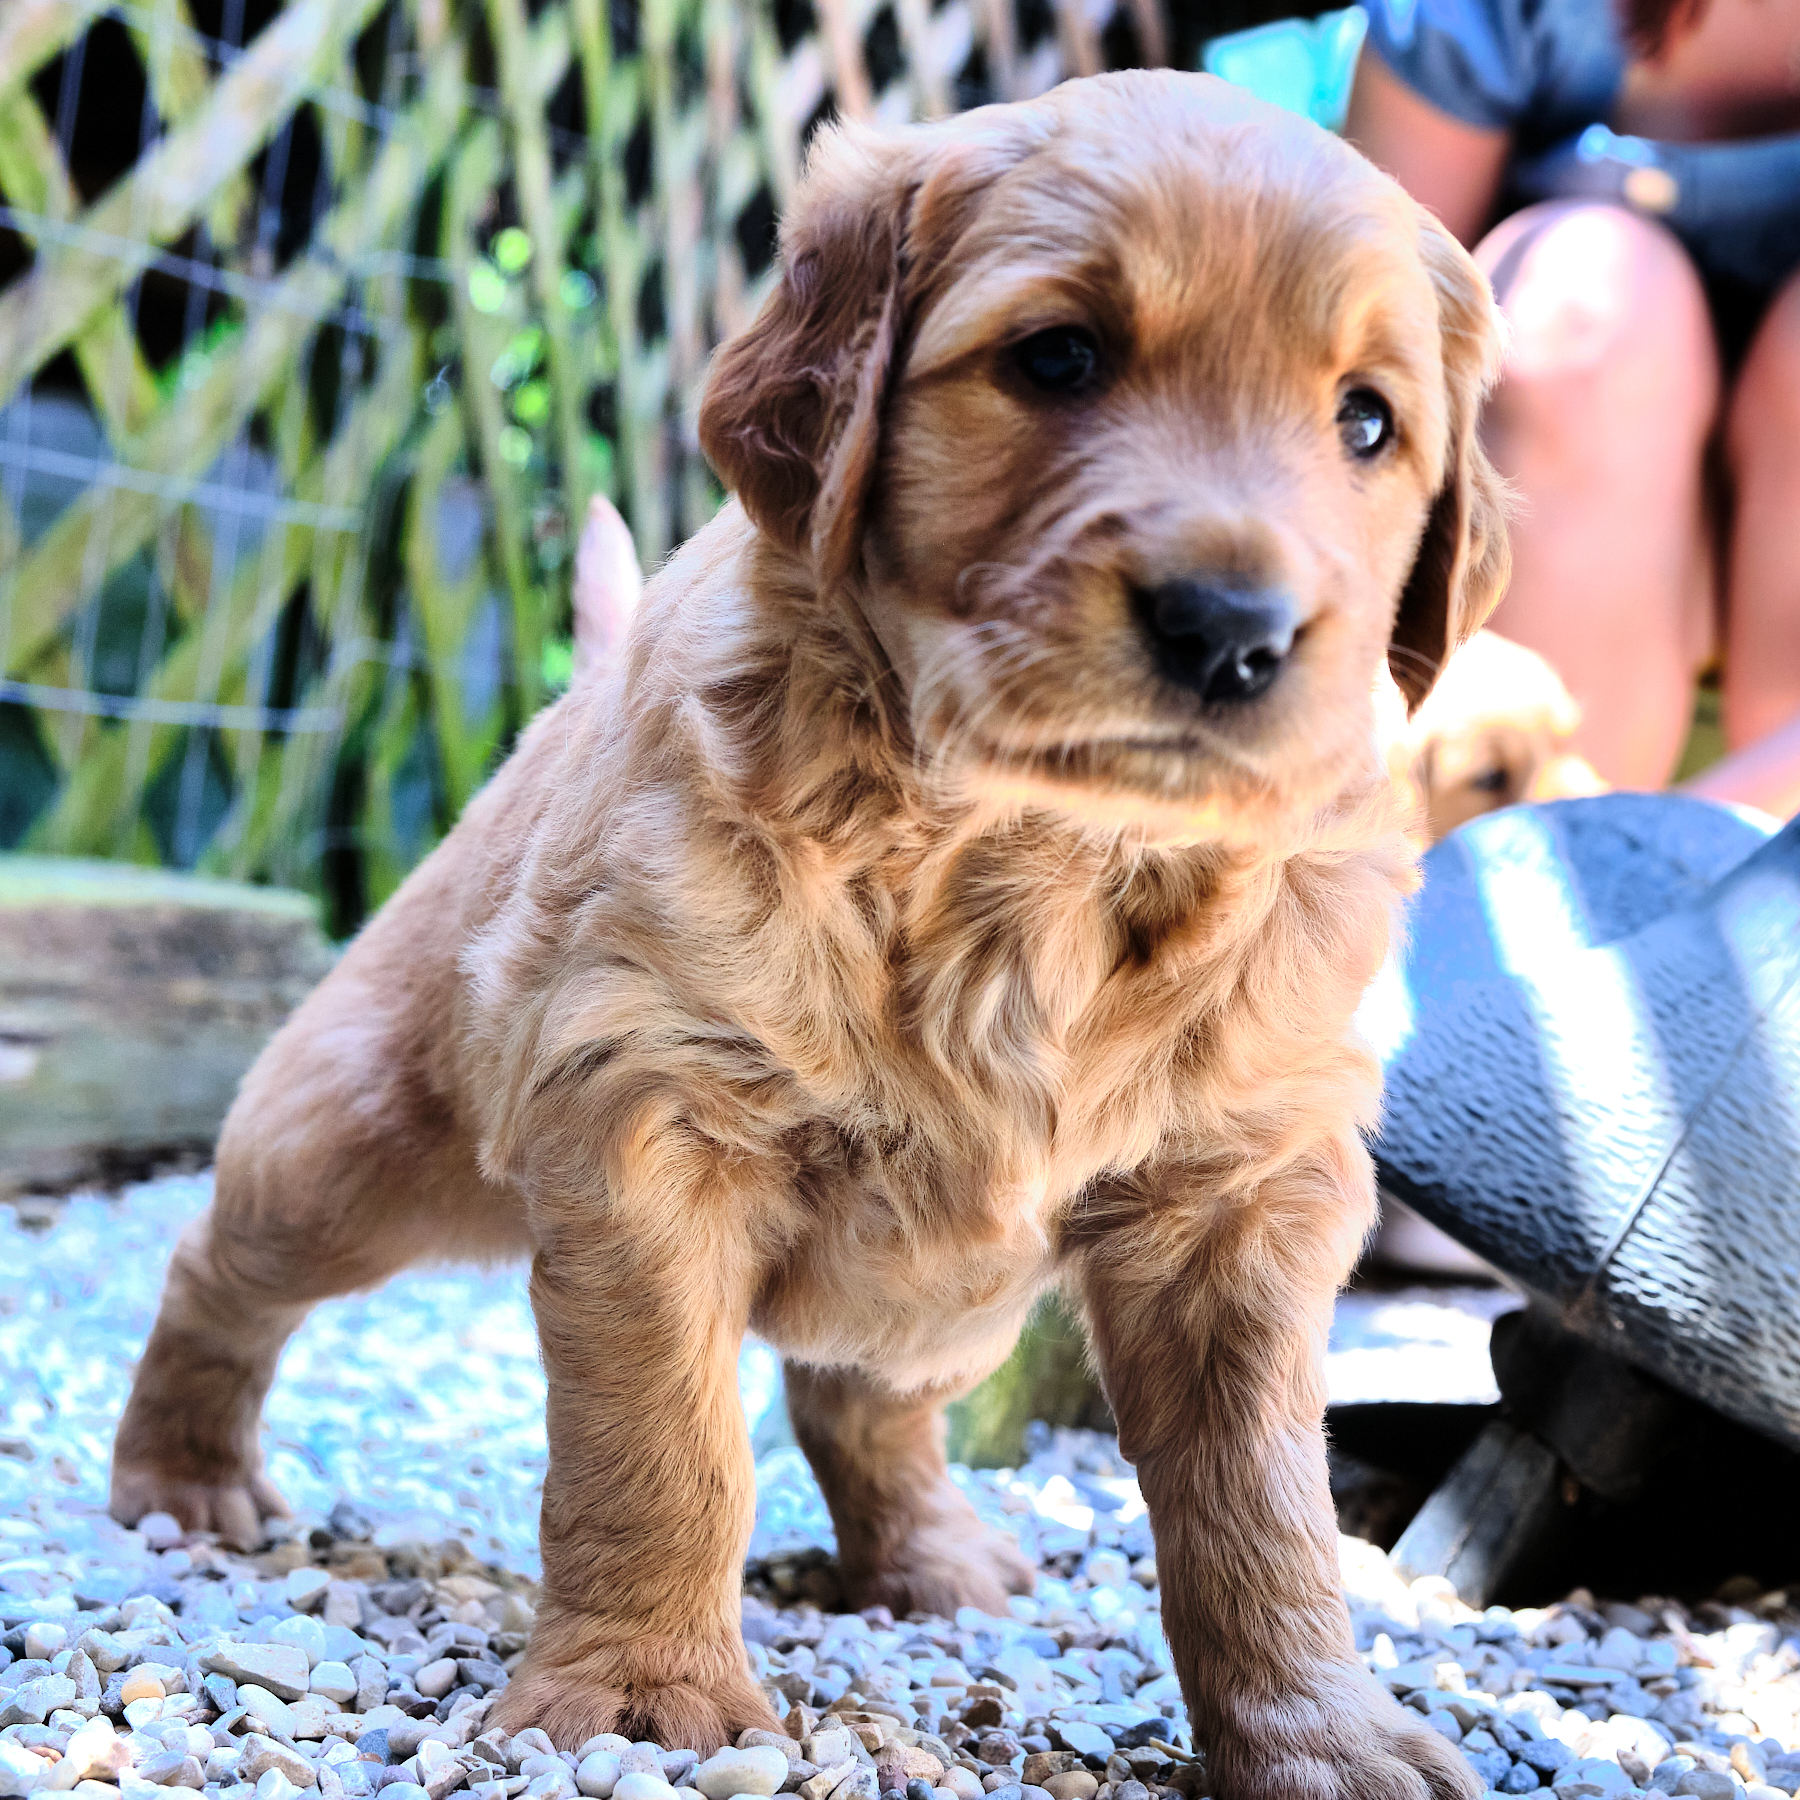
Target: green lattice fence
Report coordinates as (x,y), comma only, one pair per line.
(320,323)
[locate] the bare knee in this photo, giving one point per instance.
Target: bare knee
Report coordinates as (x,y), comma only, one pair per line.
(1601,420)
(1612,358)
(1763,424)
(1762,666)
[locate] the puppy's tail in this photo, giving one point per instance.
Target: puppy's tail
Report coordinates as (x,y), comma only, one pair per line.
(608,581)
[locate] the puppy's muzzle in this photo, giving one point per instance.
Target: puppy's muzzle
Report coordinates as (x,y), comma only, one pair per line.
(1224,642)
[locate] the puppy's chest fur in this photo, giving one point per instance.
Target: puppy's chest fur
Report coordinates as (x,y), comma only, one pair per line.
(979,1049)
(923,1067)
(920,1041)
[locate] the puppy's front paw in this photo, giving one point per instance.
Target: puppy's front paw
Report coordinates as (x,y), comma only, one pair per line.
(947,1559)
(1339,1738)
(681,1696)
(234,1506)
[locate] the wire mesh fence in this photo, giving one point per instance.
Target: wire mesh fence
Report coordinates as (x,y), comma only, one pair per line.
(319,324)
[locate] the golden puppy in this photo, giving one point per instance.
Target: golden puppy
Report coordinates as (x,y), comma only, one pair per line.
(963,886)
(1497,729)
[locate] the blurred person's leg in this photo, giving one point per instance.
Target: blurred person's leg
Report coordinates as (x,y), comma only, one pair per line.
(1762,610)
(1601,421)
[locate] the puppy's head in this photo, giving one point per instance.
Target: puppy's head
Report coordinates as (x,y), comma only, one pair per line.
(1140,422)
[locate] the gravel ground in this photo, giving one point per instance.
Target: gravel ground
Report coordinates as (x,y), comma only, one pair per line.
(424,1401)
(359,1652)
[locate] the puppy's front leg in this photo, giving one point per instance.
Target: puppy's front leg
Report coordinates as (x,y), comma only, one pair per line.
(651,1491)
(1210,1321)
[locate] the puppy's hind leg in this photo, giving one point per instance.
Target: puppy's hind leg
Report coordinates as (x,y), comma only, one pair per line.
(188,1441)
(320,1190)
(907,1539)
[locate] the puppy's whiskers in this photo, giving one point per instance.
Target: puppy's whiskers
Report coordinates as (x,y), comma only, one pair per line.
(985,658)
(1428,666)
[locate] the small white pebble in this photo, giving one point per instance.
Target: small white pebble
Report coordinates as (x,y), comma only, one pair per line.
(20,1771)
(436,1679)
(261,1704)
(607,1740)
(759,1770)
(160,1530)
(304,1589)
(303,1633)
(333,1681)
(597,1774)
(634,1784)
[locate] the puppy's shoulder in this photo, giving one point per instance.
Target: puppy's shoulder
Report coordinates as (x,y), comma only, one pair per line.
(726,595)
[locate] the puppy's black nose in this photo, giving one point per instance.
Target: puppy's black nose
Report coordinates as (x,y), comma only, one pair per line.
(1226,643)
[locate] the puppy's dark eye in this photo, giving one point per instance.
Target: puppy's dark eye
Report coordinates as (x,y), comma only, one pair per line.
(1062,360)
(1491,781)
(1365,423)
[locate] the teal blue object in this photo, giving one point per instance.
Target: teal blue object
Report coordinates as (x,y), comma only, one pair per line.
(1305,65)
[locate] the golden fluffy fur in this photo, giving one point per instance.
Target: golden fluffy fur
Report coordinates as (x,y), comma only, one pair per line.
(884,940)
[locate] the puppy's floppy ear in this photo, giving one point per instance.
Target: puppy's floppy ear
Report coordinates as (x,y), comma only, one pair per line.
(791,418)
(1464,558)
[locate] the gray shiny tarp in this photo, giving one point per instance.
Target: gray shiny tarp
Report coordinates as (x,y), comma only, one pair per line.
(1592,1045)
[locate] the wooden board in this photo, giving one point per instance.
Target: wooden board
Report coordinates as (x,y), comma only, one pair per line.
(1488,1518)
(131,1003)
